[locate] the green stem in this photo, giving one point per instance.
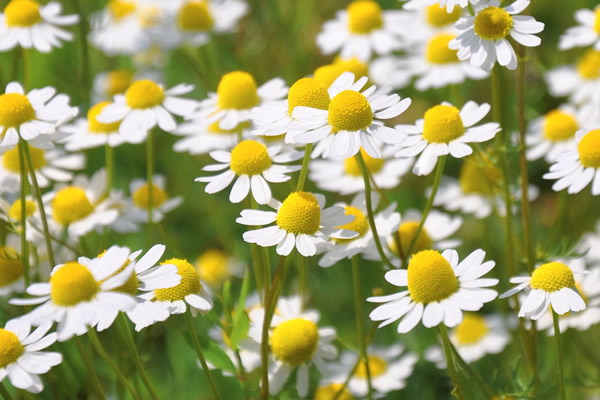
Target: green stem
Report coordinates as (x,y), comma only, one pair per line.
(302,277)
(359,323)
(436,183)
(4,392)
(474,375)
(85,58)
(109,153)
(561,371)
(450,361)
(24,242)
(40,202)
(87,361)
(190,325)
(370,214)
(304,170)
(149,172)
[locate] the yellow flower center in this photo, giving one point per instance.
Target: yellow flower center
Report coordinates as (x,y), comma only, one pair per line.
(216,130)
(250,158)
(438,51)
(558,126)
(130,286)
(308,92)
(141,197)
(237,90)
(354,65)
(493,23)
(117,81)
(476,179)
(11,267)
(329,392)
(190,282)
(120,9)
(213,267)
(438,17)
(149,16)
(22,13)
(95,126)
(589,65)
(71,204)
(597,20)
(73,284)
(299,214)
(377,366)
(359,225)
(581,292)
(11,159)
(15,109)
(407,231)
(552,276)
(350,111)
(144,94)
(364,16)
(374,165)
(471,330)
(589,149)
(443,124)
(10,348)
(326,74)
(195,16)
(430,277)
(15,209)
(295,341)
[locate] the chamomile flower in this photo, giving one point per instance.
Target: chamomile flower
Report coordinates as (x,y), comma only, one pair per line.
(77,296)
(215,267)
(360,30)
(576,169)
(11,272)
(344,176)
(237,94)
(484,41)
(202,137)
(445,130)
(31,116)
(449,4)
(439,289)
(352,119)
(145,105)
(29,24)
(136,209)
(252,165)
(22,361)
(301,222)
(581,82)
(551,284)
(587,33)
(386,222)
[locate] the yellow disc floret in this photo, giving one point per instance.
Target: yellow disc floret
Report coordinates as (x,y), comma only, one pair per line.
(195,16)
(476,179)
(374,165)
(190,282)
(213,267)
(250,158)
(407,231)
(15,109)
(589,65)
(119,9)
(141,197)
(360,224)
(15,209)
(11,267)
(430,277)
(377,366)
(72,284)
(308,92)
(350,111)
(597,20)
(295,341)
(443,124)
(327,74)
(95,126)
(493,23)
(144,94)
(589,149)
(22,13)
(10,348)
(117,81)
(559,125)
(330,391)
(71,204)
(299,213)
(237,90)
(364,16)
(437,16)
(11,159)
(552,276)
(471,330)
(438,51)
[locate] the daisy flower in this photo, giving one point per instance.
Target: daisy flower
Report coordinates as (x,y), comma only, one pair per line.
(439,289)
(386,221)
(29,24)
(22,361)
(77,296)
(449,4)
(361,30)
(352,119)
(31,116)
(11,272)
(146,105)
(484,36)
(215,267)
(237,94)
(551,284)
(252,165)
(389,368)
(587,33)
(136,209)
(576,169)
(445,130)
(301,222)
(344,176)
(581,82)
(202,137)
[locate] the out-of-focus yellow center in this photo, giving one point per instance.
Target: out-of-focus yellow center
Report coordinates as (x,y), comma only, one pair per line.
(330,391)
(552,276)
(117,81)
(71,204)
(377,366)
(475,179)
(190,282)
(15,209)
(437,16)
(95,126)
(294,341)
(589,149)
(119,9)
(493,23)
(589,65)
(443,124)
(559,125)
(349,111)
(22,13)
(141,197)
(438,51)
(327,74)
(73,284)
(430,277)
(299,213)
(352,167)
(364,16)
(407,231)
(11,159)
(11,267)
(471,330)
(195,16)
(308,92)
(10,348)
(131,285)
(212,266)
(250,158)
(237,90)
(144,94)
(360,224)
(597,20)
(15,109)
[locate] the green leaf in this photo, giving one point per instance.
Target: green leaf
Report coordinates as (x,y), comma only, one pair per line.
(217,356)
(240,329)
